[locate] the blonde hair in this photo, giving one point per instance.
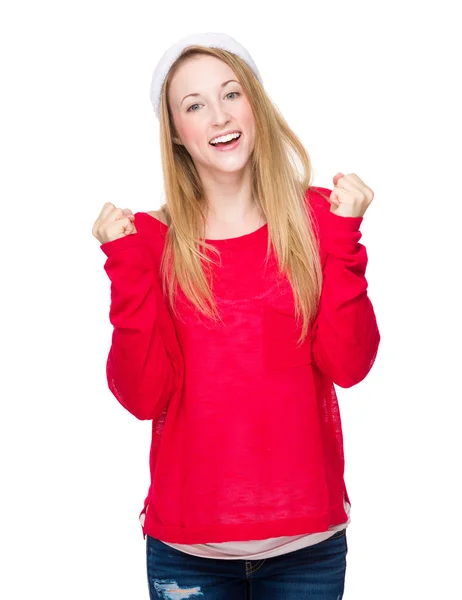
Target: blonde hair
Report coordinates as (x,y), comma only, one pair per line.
(278,188)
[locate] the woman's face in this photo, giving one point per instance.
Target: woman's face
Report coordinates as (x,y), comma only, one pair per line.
(214,109)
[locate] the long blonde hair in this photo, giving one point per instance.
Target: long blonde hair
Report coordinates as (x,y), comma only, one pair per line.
(277,186)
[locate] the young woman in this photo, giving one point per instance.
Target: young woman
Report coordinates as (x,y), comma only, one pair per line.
(236,307)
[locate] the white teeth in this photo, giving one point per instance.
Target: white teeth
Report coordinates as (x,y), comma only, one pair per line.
(225,138)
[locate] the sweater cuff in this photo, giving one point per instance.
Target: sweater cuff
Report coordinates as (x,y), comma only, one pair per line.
(343,223)
(342,234)
(133,239)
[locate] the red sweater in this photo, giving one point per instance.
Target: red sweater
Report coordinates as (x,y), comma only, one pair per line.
(246,431)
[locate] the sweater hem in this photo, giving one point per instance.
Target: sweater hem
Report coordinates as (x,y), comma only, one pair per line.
(244,531)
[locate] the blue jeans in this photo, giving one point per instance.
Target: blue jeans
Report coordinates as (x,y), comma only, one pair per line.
(313,573)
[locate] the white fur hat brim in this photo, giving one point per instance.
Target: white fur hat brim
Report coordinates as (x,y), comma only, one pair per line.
(211,40)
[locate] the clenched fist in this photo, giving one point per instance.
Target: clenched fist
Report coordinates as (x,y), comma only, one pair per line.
(113,223)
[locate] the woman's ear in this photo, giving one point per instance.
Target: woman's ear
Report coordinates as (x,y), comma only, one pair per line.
(175,137)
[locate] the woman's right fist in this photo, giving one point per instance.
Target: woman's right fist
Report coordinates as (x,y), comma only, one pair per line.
(113,223)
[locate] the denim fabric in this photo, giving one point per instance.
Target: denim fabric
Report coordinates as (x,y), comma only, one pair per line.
(313,573)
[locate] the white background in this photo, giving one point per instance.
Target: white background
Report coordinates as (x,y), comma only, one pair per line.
(370,88)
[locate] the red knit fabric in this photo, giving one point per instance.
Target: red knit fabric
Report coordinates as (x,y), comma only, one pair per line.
(246,430)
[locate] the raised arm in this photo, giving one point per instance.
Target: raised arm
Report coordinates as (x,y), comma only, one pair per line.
(144,365)
(345,336)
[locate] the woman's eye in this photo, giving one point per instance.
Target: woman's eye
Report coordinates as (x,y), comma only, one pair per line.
(192,105)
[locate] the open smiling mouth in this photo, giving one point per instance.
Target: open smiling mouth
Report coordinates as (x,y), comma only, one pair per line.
(226,146)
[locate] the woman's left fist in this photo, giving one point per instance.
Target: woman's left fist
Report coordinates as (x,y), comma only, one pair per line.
(350,196)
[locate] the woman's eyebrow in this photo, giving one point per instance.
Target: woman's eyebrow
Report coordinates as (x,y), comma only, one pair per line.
(197,94)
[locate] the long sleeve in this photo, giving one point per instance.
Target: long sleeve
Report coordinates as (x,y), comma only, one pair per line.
(345,335)
(142,371)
